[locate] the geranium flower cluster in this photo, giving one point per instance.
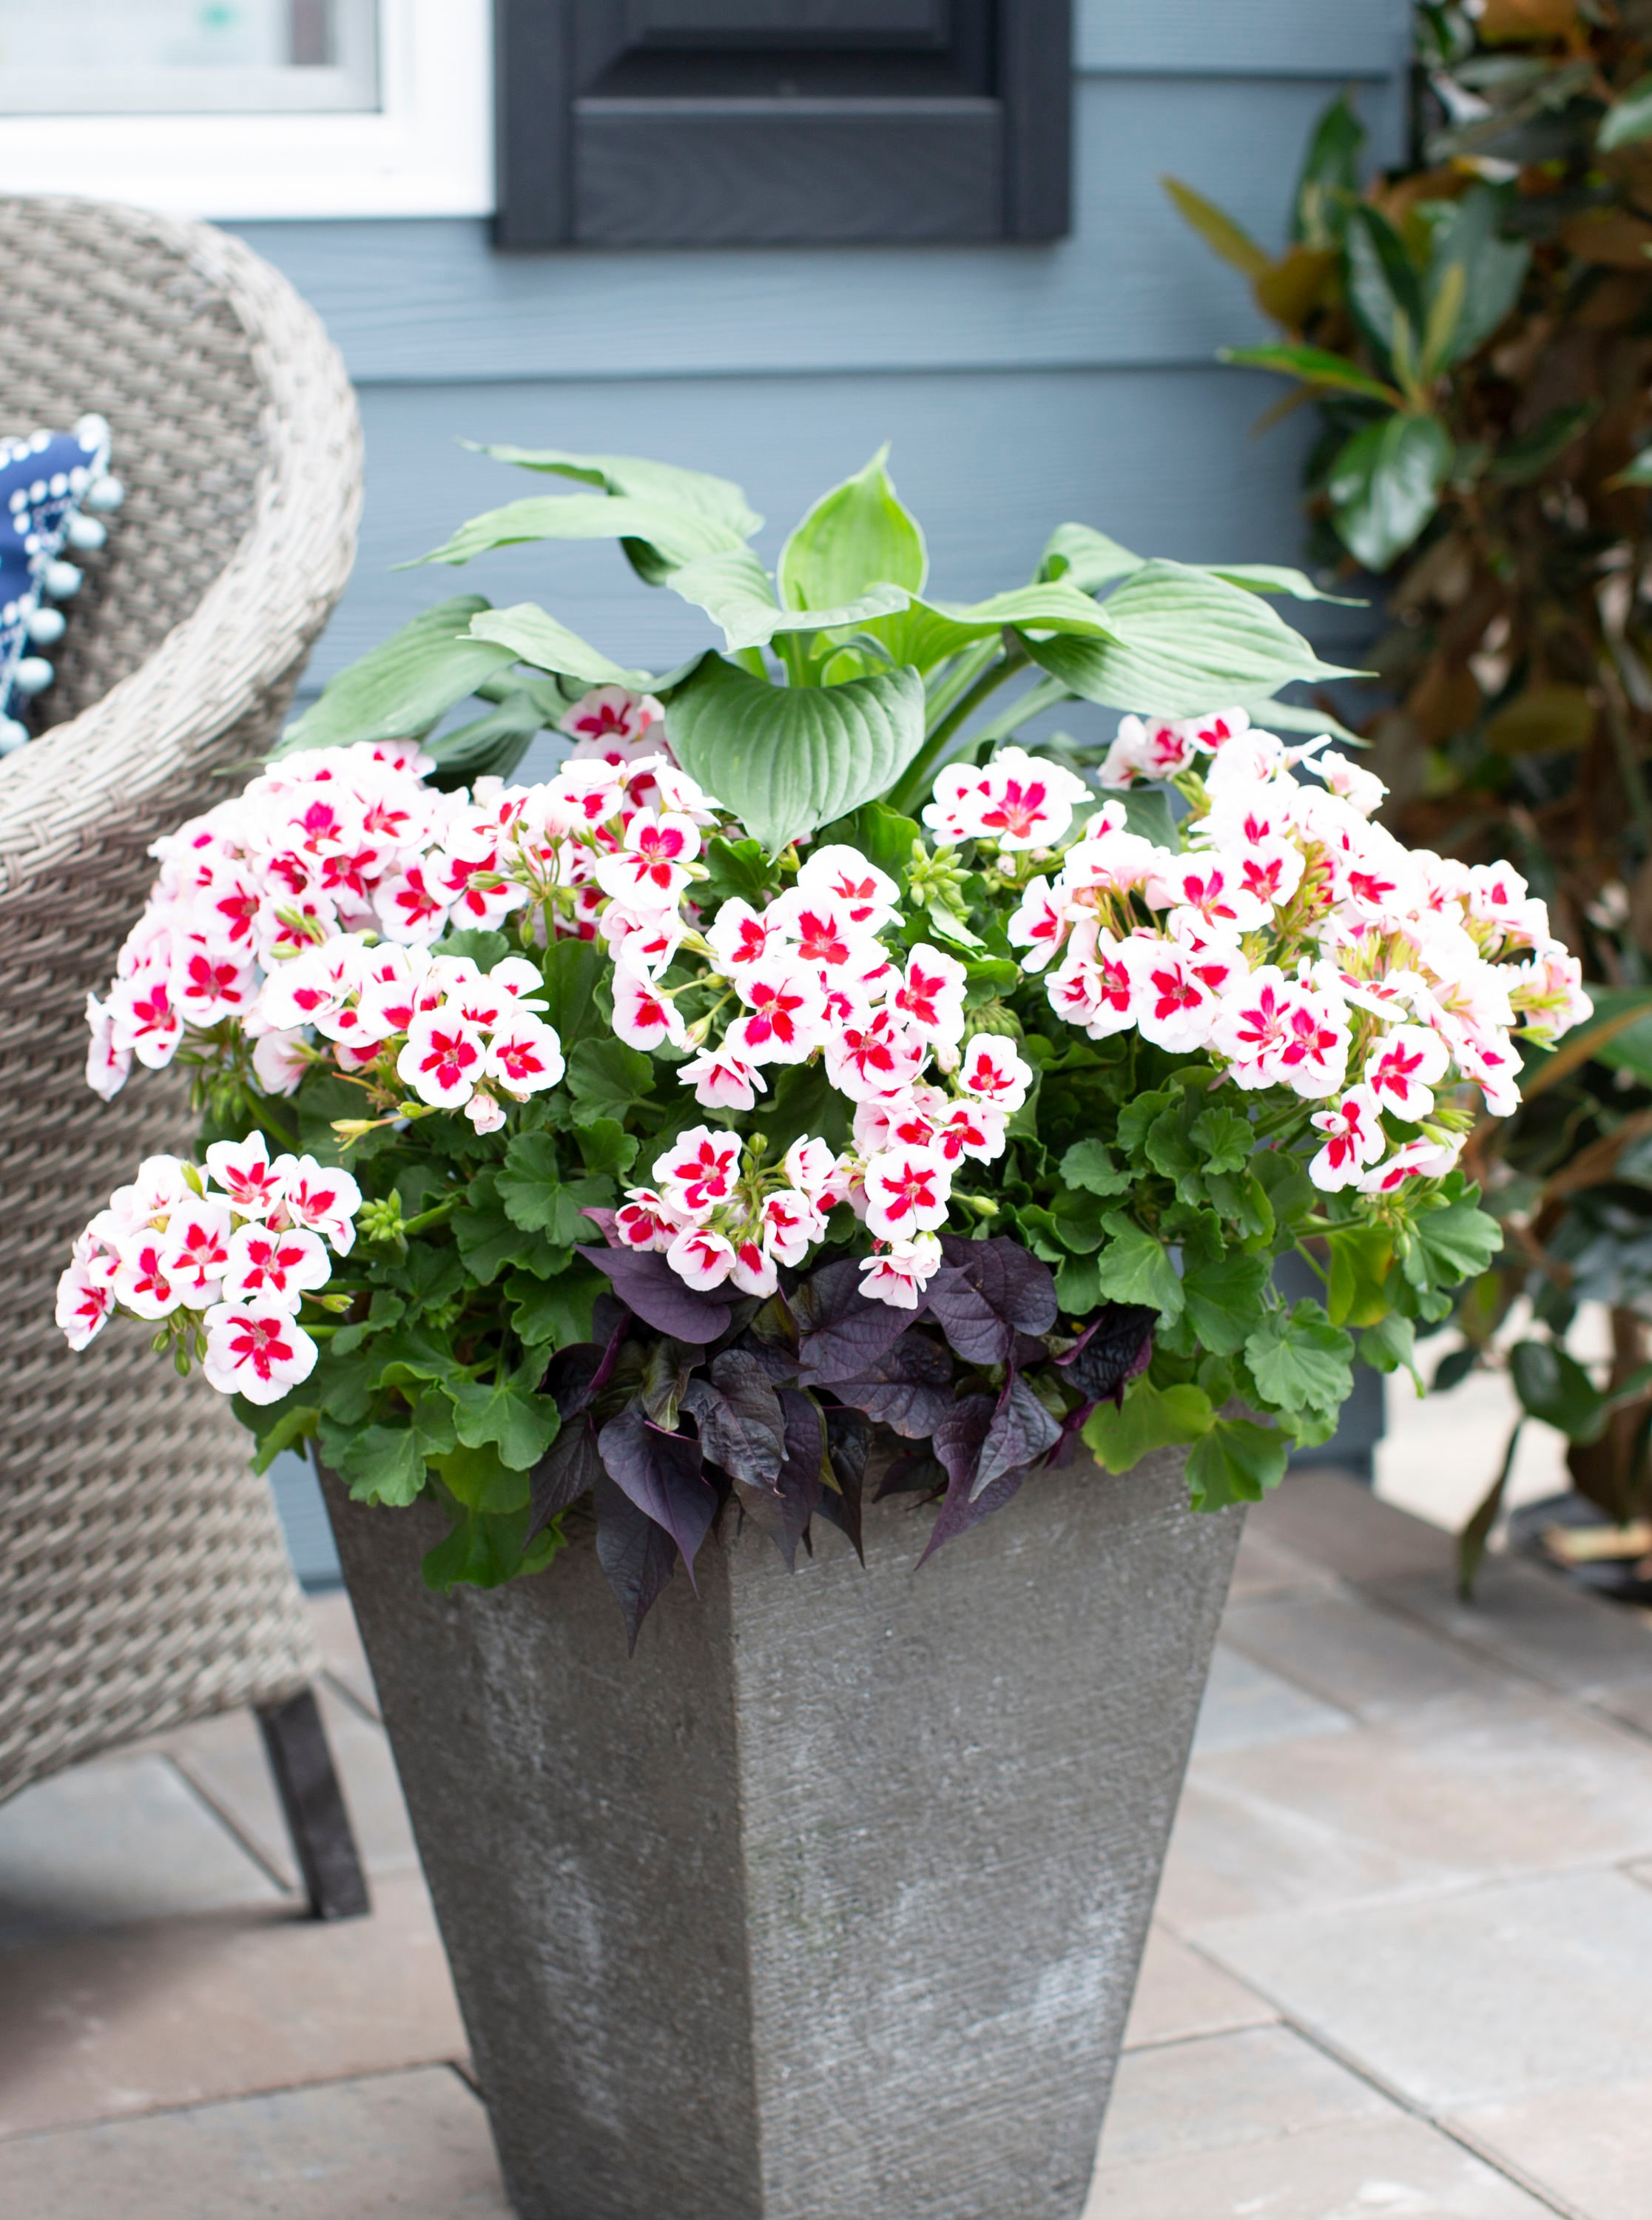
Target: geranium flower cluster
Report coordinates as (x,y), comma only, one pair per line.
(221,1256)
(1300,946)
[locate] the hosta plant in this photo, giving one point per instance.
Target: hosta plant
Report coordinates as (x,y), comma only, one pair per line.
(805,1068)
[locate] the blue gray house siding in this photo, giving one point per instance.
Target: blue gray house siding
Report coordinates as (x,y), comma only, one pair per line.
(1020,385)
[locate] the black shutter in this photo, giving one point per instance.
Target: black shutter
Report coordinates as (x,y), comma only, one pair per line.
(718,122)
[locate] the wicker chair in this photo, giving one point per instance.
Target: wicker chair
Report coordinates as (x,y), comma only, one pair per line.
(143,1577)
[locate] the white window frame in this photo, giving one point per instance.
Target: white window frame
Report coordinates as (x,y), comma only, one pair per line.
(427,150)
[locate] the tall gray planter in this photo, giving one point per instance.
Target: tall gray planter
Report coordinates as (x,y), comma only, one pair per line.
(828,1904)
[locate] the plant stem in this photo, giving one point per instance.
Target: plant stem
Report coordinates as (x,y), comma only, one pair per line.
(433,1216)
(932,754)
(962,674)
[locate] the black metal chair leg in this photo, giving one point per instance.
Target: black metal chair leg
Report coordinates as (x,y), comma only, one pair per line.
(295,1741)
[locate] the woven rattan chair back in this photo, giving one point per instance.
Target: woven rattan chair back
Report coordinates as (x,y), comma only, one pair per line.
(143,1577)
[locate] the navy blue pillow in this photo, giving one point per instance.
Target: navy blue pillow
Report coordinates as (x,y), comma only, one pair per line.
(47,482)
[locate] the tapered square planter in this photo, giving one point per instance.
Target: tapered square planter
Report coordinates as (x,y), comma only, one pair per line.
(827,1904)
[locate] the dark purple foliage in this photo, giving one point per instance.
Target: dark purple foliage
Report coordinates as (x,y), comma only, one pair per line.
(1112,1349)
(916,1473)
(908,1387)
(571,1466)
(988,1292)
(637,1556)
(842,1332)
(1022,1431)
(577,1375)
(849,1449)
(603,1221)
(741,1427)
(784,1509)
(959,1440)
(661,1474)
(643,1279)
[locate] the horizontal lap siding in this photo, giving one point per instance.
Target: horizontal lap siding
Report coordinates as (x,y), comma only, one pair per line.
(1020,384)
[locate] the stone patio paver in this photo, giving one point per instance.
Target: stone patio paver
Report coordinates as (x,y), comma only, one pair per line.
(1590,2148)
(399,2145)
(182,2011)
(1479,1995)
(1400,1964)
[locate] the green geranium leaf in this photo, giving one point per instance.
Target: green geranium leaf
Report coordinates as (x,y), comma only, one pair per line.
(1360,1256)
(1241,1198)
(788,759)
(1223,1297)
(1183,640)
(381,1465)
(1223,1141)
(485,1550)
(1236,1462)
(520,1426)
(489,1238)
(537,1198)
(1391,1344)
(554,1313)
(573,971)
(1385,486)
(1134,1268)
(1299,1360)
(479,1477)
(1149,1418)
(532,636)
(738,869)
(275,1427)
(605,1147)
(1079,1218)
(1090,1165)
(402,688)
(607,1079)
(856,536)
(1459,1240)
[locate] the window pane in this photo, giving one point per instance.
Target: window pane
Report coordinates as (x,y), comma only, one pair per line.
(164,56)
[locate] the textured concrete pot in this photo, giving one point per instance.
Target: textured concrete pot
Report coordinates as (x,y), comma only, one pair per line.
(828,1904)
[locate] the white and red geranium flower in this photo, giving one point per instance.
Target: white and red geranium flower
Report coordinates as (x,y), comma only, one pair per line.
(1289,940)
(229,1252)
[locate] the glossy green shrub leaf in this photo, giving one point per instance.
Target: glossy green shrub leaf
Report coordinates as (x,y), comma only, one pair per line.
(1385,486)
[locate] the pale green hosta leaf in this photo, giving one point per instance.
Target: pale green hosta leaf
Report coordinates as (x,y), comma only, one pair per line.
(1182,642)
(1296,717)
(1277,579)
(787,759)
(857,535)
(533,637)
(1086,559)
(664,485)
(673,535)
(928,632)
(403,687)
(735,591)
